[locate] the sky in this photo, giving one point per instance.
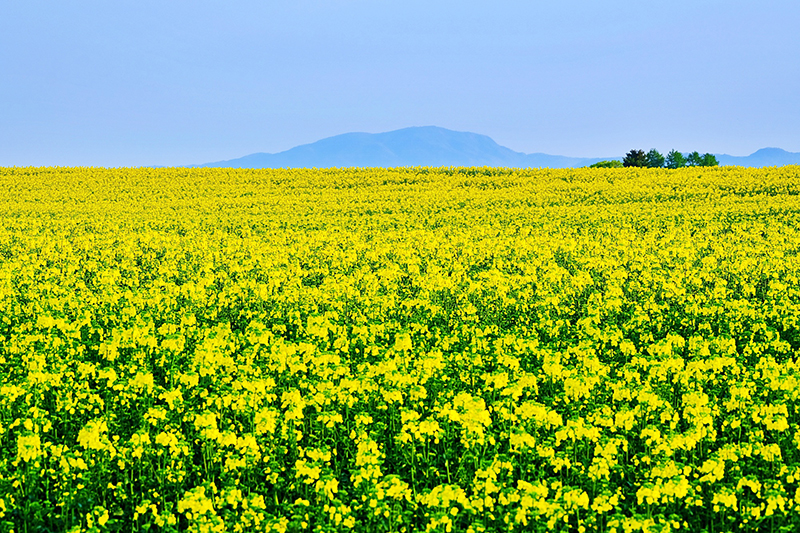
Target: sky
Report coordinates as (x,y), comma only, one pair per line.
(172,82)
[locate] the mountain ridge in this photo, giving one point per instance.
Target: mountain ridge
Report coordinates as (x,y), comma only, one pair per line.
(764,157)
(435,146)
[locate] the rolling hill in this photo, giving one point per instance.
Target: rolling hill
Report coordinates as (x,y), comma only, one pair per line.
(434,146)
(416,146)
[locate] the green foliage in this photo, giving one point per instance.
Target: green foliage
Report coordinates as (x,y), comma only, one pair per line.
(675,159)
(709,160)
(705,160)
(655,159)
(694,159)
(635,158)
(614,163)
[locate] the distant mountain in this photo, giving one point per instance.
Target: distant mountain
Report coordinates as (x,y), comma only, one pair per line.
(436,147)
(766,157)
(417,146)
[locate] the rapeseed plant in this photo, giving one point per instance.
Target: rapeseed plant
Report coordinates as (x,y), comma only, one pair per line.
(417,349)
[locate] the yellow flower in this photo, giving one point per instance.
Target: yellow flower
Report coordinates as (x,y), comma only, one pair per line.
(29,447)
(94,435)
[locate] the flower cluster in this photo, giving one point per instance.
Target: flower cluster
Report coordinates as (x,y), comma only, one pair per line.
(413,349)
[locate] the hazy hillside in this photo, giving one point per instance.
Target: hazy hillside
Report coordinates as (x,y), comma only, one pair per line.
(418,146)
(766,157)
(434,146)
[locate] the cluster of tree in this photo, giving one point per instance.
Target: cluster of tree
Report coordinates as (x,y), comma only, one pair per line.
(674,159)
(614,163)
(653,159)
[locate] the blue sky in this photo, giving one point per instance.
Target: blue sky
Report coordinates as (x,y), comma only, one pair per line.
(135,83)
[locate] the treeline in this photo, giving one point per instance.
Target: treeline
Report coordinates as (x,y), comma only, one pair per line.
(653,159)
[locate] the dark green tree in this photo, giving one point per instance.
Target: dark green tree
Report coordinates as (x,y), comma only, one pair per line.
(635,158)
(675,159)
(710,160)
(655,159)
(614,163)
(694,159)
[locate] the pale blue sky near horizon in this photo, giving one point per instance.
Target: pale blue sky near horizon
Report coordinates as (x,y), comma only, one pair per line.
(124,83)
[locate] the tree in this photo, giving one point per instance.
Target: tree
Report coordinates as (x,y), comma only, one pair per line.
(709,160)
(694,159)
(655,159)
(635,158)
(614,163)
(675,159)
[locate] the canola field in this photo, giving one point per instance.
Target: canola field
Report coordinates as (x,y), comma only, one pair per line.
(398,350)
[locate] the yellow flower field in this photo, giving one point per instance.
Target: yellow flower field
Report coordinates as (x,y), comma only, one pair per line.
(397,350)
